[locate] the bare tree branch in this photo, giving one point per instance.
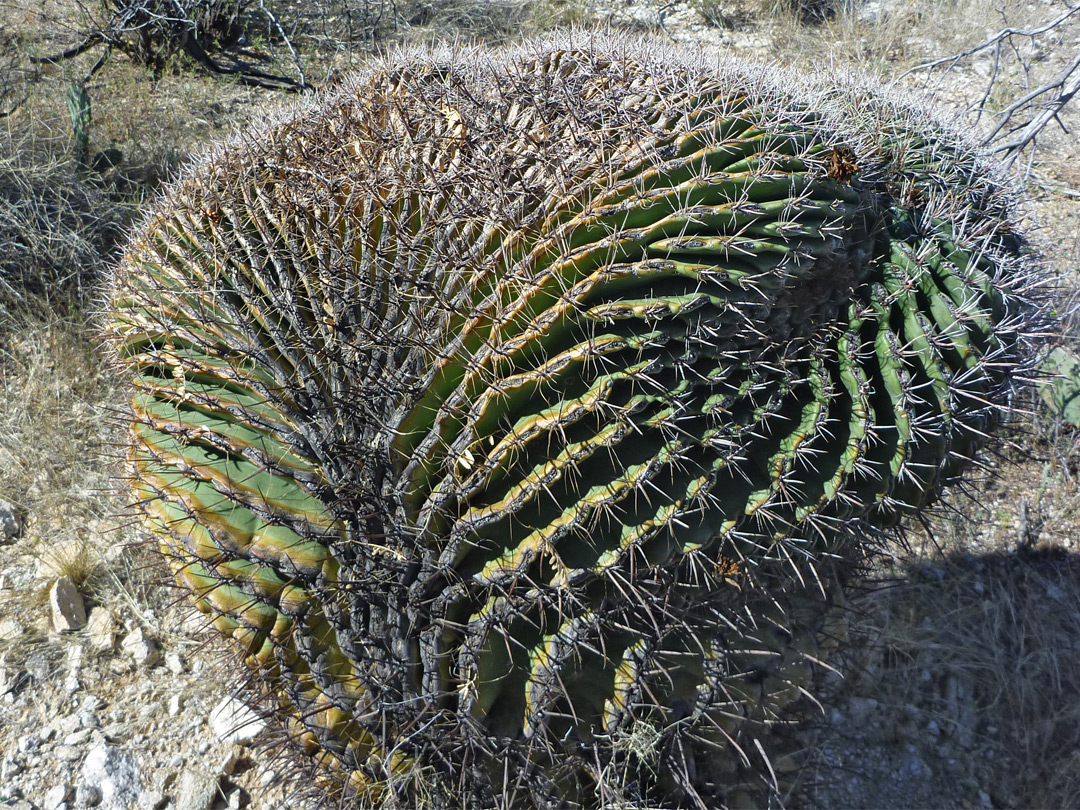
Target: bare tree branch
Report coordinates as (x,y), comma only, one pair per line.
(70,53)
(1066,83)
(302,84)
(148,31)
(1003,34)
(1008,137)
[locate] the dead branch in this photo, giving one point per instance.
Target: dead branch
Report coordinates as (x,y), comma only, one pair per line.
(996,39)
(147,31)
(1064,87)
(1045,102)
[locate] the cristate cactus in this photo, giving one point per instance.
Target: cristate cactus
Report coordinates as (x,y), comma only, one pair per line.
(518,415)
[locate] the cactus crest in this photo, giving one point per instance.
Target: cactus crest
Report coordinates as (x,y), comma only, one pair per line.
(519,414)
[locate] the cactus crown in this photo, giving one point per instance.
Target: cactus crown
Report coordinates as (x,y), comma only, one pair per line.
(506,409)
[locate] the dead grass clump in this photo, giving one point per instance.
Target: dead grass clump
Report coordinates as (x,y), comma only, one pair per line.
(56,401)
(56,232)
(493,21)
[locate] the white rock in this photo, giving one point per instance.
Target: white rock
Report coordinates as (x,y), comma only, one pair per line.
(57,796)
(68,610)
(176,703)
(115,773)
(77,737)
(87,719)
(101,629)
(9,767)
(142,649)
(87,796)
(31,742)
(9,675)
(67,753)
(197,791)
(233,761)
(233,722)
(11,629)
(174,663)
(151,800)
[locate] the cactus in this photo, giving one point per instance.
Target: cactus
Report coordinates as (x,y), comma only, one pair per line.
(520,415)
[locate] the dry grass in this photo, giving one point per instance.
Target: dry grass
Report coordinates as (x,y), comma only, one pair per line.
(56,231)
(55,429)
(985,645)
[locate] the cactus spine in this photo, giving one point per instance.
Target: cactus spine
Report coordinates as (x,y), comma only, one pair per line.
(507,409)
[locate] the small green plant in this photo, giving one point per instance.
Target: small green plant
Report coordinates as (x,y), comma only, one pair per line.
(79,110)
(521,415)
(1060,389)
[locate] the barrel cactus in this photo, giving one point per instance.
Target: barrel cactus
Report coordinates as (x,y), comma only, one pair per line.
(518,415)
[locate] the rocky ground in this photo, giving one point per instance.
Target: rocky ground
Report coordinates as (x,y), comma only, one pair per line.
(962,676)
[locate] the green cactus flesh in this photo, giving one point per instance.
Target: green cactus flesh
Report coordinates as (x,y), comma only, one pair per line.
(506,407)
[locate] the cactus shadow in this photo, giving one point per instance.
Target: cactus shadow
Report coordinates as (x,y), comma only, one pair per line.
(960,688)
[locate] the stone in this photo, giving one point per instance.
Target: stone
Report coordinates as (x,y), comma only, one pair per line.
(267,778)
(176,703)
(11,629)
(141,648)
(236,760)
(77,737)
(101,630)
(88,719)
(11,677)
(174,663)
(151,800)
(31,742)
(115,773)
(57,796)
(74,665)
(11,523)
(67,753)
(234,722)
(9,767)
(39,667)
(68,610)
(87,796)
(198,791)
(117,732)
